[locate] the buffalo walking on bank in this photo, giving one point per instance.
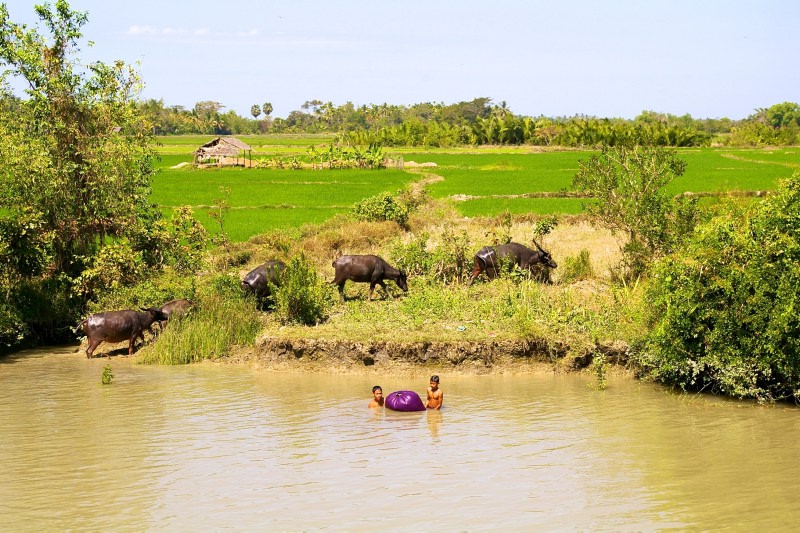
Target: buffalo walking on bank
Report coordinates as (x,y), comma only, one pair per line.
(257,281)
(490,259)
(118,326)
(174,309)
(367,269)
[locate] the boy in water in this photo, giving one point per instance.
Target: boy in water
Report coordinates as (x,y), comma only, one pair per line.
(435,395)
(377,397)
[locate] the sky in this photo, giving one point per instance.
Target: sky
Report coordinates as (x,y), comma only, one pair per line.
(604,58)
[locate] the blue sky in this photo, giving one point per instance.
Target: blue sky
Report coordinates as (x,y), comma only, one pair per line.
(604,58)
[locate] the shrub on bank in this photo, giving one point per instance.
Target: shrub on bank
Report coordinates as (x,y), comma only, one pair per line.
(223,319)
(302,297)
(383,206)
(724,311)
(576,268)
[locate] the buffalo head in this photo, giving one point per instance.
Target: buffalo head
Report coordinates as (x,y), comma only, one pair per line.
(545,257)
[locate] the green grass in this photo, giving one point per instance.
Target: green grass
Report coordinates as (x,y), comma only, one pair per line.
(519,206)
(781,156)
(241,224)
(708,170)
(218,324)
(713,170)
(165,161)
(273,188)
(487,174)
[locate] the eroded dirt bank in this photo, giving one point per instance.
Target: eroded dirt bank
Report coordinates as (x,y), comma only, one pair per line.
(462,357)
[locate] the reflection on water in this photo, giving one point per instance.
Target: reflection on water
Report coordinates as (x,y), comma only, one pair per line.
(211,447)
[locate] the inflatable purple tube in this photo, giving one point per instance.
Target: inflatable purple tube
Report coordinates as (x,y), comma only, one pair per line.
(404,400)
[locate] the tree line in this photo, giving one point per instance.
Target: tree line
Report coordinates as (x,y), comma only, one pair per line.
(478,122)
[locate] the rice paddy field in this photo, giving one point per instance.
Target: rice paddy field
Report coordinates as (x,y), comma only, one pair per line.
(482,182)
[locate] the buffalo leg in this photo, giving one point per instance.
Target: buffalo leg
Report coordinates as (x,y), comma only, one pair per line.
(90,349)
(383,286)
(476,271)
(341,291)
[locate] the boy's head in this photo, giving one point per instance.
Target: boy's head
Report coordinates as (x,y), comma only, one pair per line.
(377,392)
(434,381)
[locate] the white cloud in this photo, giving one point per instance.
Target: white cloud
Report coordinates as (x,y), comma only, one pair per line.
(142,30)
(180,32)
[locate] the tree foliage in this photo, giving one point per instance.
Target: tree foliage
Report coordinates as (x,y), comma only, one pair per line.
(627,186)
(302,296)
(75,181)
(724,311)
(77,156)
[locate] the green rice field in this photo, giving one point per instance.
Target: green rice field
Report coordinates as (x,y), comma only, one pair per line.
(484,182)
(487,181)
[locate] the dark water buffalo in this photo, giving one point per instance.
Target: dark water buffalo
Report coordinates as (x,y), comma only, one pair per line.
(117,326)
(490,258)
(367,269)
(257,280)
(175,308)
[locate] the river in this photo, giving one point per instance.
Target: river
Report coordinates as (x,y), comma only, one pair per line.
(211,447)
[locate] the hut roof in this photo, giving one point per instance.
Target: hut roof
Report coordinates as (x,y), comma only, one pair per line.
(229,146)
(236,142)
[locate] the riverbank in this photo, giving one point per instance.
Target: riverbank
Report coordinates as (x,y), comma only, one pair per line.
(509,325)
(336,356)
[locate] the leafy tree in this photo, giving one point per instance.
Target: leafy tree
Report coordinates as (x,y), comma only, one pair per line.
(255,110)
(77,155)
(783,114)
(207,112)
(724,310)
(267,108)
(75,181)
(627,184)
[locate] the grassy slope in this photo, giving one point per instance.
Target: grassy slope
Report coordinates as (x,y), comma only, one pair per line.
(577,315)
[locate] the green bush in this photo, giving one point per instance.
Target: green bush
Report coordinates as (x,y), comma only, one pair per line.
(413,258)
(47,308)
(223,319)
(576,268)
(156,290)
(12,328)
(302,297)
(447,262)
(724,311)
(383,206)
(116,265)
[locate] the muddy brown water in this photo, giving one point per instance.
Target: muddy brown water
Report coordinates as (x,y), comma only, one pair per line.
(211,447)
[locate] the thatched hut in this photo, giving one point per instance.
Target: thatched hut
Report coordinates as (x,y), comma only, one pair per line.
(224,151)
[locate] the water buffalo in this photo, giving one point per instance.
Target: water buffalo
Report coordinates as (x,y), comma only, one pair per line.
(117,326)
(257,280)
(174,308)
(489,259)
(367,269)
